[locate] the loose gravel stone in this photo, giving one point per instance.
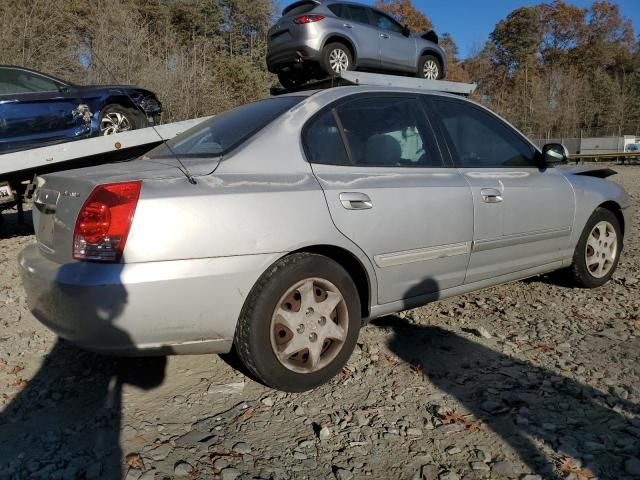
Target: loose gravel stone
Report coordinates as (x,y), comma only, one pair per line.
(182,469)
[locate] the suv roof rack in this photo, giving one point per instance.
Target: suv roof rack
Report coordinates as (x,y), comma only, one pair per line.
(350,78)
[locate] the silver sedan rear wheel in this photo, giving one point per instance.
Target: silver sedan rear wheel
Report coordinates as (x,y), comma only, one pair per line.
(300,322)
(309,325)
(602,249)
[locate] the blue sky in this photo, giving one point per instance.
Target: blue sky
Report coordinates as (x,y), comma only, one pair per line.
(471,21)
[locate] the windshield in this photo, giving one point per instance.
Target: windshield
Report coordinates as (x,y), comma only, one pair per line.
(222,133)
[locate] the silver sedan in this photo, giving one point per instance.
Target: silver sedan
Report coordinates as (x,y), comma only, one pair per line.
(278,228)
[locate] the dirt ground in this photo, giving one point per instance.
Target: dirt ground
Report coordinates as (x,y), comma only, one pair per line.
(549,387)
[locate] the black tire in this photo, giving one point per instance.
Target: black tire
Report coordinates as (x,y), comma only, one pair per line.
(253,338)
(579,273)
(421,67)
(335,48)
(292,79)
(133,119)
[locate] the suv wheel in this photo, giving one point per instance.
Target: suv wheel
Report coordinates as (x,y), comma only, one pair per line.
(291,79)
(300,323)
(430,68)
(598,251)
(336,58)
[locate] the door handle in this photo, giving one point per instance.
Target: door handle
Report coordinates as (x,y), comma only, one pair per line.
(491,195)
(384,35)
(347,25)
(355,201)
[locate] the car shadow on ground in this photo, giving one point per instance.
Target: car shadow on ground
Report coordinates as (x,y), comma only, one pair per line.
(66,421)
(526,405)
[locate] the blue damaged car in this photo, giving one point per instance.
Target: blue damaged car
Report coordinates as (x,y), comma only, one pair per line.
(38,110)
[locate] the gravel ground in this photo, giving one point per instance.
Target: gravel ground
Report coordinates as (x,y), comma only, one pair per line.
(524,381)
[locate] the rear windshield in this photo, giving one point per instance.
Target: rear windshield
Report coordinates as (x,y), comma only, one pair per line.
(221,134)
(299,8)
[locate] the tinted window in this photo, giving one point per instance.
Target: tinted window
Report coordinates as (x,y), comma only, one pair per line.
(324,143)
(337,9)
(357,14)
(385,23)
(217,136)
(479,139)
(379,131)
(13,81)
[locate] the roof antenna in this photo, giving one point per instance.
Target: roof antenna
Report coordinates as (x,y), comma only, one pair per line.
(183,168)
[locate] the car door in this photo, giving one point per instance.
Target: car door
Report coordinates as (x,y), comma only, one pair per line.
(523,215)
(365,35)
(397,51)
(36,110)
(389,192)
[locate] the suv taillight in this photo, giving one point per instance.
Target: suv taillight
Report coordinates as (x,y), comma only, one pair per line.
(104,221)
(307,19)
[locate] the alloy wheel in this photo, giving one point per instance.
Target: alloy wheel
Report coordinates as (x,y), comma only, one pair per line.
(601,249)
(114,122)
(338,60)
(430,70)
(309,325)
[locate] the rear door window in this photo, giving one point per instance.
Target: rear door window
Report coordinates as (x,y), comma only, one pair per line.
(358,14)
(379,131)
(338,10)
(479,139)
(323,141)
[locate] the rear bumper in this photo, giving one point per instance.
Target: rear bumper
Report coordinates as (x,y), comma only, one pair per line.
(283,58)
(183,306)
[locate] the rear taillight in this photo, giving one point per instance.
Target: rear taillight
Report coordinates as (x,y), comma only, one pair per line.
(104,220)
(307,19)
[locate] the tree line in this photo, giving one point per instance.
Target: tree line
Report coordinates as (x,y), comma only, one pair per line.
(554,69)
(551,69)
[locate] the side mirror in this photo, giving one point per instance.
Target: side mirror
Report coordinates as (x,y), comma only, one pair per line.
(406,31)
(554,153)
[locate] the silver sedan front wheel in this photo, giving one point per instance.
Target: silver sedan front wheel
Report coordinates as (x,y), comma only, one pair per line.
(602,249)
(309,325)
(596,256)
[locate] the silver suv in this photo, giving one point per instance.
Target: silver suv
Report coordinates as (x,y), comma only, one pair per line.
(316,38)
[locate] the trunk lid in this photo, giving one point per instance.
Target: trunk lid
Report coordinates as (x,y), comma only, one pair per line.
(59,197)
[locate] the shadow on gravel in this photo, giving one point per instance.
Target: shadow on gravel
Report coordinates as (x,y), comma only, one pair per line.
(10,227)
(523,403)
(65,423)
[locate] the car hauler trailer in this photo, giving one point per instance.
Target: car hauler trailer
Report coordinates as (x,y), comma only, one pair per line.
(18,168)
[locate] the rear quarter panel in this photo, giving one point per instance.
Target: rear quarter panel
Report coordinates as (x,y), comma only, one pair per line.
(263,199)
